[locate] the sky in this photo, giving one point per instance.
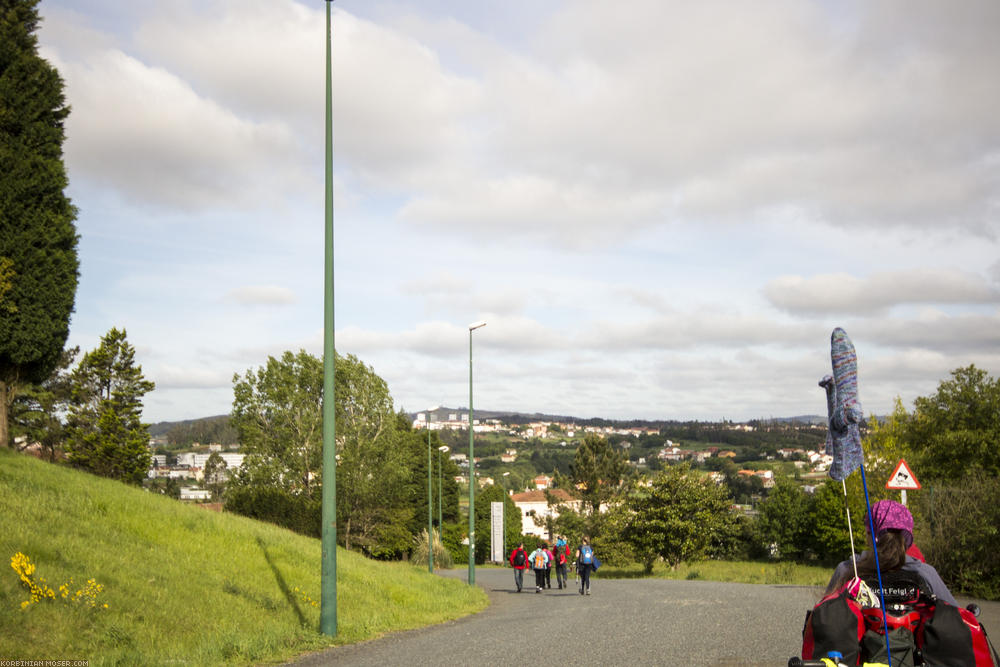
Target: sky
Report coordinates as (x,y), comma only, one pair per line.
(661,209)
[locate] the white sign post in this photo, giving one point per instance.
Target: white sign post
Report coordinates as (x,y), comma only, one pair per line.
(902,478)
(496,532)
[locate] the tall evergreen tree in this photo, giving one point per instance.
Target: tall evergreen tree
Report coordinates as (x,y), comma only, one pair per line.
(105,431)
(38,241)
(598,470)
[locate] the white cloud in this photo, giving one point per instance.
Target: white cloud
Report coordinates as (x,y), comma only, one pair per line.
(661,212)
(848,294)
(146,134)
(262,295)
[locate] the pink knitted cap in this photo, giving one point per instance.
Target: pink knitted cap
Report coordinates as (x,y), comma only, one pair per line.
(890,515)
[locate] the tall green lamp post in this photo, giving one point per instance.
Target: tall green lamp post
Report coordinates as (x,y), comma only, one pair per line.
(328,564)
(441,450)
(472,467)
(430,497)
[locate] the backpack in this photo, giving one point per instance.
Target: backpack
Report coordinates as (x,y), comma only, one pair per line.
(539,560)
(561,557)
(586,554)
(519,558)
(919,625)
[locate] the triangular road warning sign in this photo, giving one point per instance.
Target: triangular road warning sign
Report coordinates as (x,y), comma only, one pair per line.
(902,478)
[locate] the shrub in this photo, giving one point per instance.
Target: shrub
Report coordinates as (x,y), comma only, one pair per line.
(442,557)
(961,536)
(299,513)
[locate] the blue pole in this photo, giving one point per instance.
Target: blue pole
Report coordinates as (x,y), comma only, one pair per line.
(878,568)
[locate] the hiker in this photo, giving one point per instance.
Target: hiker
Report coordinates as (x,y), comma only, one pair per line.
(893,537)
(519,561)
(584,564)
(560,556)
(904,612)
(548,566)
(539,559)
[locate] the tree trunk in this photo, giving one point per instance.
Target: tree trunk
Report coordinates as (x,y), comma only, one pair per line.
(4,414)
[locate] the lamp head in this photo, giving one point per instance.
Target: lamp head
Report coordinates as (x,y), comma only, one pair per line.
(477,325)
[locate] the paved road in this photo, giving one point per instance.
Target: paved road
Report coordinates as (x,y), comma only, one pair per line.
(623,622)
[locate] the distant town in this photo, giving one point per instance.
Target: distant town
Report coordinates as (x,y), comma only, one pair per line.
(523,454)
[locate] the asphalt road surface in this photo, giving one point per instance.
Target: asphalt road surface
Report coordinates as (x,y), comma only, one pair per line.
(623,622)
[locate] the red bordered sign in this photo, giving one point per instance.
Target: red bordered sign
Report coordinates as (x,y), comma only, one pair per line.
(902,478)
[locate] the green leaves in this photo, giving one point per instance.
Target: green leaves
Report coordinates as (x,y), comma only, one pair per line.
(677,518)
(277,410)
(105,433)
(598,470)
(956,430)
(38,241)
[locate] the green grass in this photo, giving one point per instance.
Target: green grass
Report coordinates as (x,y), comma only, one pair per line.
(746,572)
(185,585)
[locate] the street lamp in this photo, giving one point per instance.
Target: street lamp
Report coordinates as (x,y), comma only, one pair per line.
(430,497)
(472,468)
(328,560)
(505,476)
(441,450)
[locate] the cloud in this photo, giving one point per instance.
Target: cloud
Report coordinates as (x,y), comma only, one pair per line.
(168,376)
(721,112)
(846,294)
(261,295)
(146,134)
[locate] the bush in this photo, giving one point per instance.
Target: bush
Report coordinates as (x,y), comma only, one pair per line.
(961,537)
(442,557)
(301,514)
(451,538)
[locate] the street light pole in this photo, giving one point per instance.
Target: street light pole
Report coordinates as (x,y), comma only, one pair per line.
(441,450)
(430,502)
(328,503)
(472,468)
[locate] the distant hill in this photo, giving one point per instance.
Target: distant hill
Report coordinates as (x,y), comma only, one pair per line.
(204,431)
(161,428)
(207,429)
(525,417)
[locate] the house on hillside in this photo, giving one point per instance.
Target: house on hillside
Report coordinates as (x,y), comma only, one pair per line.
(535,509)
(542,482)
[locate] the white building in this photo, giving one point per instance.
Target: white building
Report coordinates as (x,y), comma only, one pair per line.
(194,493)
(535,509)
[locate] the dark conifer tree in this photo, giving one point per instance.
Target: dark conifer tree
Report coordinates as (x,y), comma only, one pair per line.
(38,240)
(105,431)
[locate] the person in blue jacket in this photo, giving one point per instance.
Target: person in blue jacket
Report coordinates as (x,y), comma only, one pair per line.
(585,560)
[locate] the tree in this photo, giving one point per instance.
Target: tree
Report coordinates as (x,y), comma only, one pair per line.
(827,535)
(956,430)
(678,518)
(597,471)
(277,411)
(783,519)
(373,507)
(105,433)
(511,521)
(215,474)
(6,284)
(415,445)
(38,240)
(37,409)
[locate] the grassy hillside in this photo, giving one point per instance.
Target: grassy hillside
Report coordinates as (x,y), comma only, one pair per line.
(183,585)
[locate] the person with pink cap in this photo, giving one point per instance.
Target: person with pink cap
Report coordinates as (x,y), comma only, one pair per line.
(893,528)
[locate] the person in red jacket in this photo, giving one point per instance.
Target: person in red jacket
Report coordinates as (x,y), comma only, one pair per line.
(519,561)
